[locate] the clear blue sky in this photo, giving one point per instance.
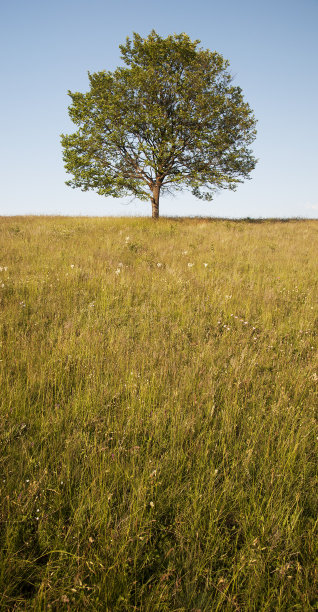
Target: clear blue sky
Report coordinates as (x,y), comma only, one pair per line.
(47,47)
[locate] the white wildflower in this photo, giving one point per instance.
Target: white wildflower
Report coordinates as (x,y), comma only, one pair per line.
(117,271)
(190,265)
(151,504)
(72,266)
(159,265)
(205,265)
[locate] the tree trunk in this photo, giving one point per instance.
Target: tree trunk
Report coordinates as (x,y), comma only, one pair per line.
(155,201)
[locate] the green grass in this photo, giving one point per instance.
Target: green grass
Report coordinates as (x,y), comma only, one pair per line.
(158,431)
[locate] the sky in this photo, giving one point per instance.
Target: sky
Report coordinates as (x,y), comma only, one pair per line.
(47,48)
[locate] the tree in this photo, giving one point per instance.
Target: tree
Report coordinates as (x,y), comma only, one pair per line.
(169,119)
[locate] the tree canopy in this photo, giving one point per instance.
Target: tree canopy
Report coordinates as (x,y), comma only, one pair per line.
(169,119)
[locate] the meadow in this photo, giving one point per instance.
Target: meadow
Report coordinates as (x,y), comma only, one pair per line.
(158,424)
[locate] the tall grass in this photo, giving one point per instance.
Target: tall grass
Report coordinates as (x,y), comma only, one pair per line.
(158,386)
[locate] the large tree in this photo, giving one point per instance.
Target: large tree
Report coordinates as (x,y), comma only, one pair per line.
(169,119)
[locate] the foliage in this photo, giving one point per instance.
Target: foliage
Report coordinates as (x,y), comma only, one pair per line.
(169,119)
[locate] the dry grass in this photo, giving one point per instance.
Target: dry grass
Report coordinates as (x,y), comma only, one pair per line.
(158,428)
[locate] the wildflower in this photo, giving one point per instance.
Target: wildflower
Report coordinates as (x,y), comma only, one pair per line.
(72,266)
(117,271)
(184,252)
(205,265)
(159,265)
(152,505)
(190,265)
(127,238)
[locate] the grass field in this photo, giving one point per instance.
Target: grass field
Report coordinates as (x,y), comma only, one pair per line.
(158,426)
